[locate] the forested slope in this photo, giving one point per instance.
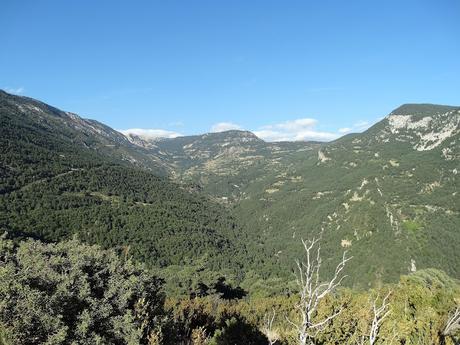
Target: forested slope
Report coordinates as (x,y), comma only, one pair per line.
(387,195)
(59,178)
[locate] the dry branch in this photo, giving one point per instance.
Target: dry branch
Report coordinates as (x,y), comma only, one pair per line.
(312,290)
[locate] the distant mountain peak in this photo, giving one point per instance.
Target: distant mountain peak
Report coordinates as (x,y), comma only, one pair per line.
(141,141)
(423,109)
(424,126)
(234,133)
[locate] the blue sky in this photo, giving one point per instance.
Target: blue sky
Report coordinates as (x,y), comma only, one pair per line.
(284,69)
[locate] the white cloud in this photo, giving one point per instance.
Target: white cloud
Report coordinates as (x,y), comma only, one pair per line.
(224,126)
(294,130)
(150,133)
(344,130)
(294,125)
(16,91)
(303,129)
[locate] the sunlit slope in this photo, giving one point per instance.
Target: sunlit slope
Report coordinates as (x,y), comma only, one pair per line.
(62,175)
(388,195)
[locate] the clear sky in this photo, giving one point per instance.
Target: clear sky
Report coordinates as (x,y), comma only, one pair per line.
(285,69)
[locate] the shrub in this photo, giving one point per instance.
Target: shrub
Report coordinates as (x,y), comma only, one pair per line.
(73,293)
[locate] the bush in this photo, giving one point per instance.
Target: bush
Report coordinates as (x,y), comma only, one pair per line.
(73,293)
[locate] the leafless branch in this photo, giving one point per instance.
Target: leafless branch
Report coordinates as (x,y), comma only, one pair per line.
(379,314)
(312,291)
(267,328)
(453,323)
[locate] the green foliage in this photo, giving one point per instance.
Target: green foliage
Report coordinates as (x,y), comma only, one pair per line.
(149,218)
(411,225)
(73,293)
(423,109)
(237,208)
(5,338)
(433,279)
(61,175)
(239,202)
(418,304)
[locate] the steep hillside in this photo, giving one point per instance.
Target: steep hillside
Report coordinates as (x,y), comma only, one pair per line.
(62,175)
(31,122)
(388,195)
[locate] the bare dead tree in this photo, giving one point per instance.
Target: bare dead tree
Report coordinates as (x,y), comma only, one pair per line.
(267,328)
(312,290)
(453,323)
(380,313)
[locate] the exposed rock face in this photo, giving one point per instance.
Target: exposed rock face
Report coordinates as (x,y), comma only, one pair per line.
(322,157)
(140,141)
(424,132)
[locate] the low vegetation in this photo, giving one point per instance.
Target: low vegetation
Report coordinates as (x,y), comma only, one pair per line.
(72,293)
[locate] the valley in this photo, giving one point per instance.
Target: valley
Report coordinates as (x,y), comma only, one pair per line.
(387,195)
(229,173)
(194,240)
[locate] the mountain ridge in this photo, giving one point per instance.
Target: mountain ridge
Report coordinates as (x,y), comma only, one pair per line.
(387,194)
(415,109)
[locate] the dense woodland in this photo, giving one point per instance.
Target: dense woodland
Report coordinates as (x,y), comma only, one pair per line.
(105,243)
